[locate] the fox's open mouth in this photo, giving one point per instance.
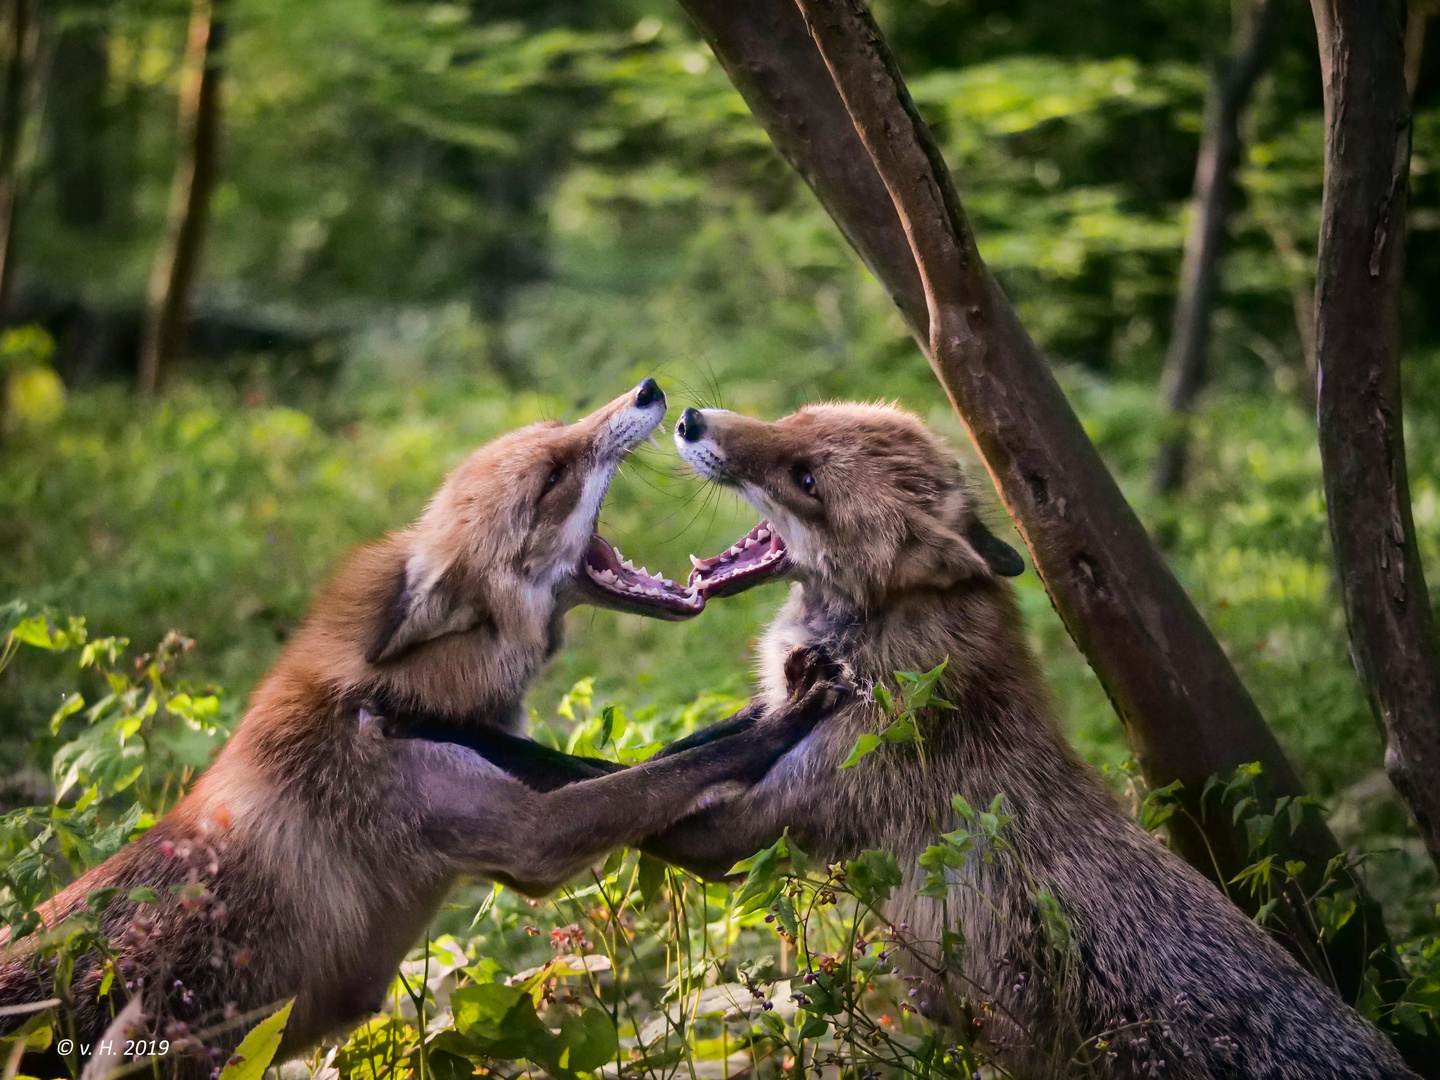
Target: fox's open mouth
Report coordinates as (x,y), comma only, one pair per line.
(758,555)
(637,588)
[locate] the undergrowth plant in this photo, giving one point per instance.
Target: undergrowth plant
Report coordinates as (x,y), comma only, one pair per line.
(638,970)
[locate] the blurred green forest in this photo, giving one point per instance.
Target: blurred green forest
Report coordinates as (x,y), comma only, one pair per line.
(434,222)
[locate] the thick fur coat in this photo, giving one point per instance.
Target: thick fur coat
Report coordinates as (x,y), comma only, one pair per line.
(313,852)
(892,571)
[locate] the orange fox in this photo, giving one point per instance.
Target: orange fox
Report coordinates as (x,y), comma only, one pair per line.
(313,852)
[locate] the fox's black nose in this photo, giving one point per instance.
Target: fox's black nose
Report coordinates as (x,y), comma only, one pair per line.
(691,427)
(649,393)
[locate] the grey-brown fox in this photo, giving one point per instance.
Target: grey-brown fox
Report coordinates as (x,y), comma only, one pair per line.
(868,515)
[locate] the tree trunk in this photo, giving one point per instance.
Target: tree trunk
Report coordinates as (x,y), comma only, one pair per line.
(1362,443)
(1187,713)
(1215,167)
(12,128)
(77,123)
(1420,13)
(179,256)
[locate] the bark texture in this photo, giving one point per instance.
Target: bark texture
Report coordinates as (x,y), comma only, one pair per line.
(174,273)
(1187,713)
(18,33)
(1362,441)
(1215,167)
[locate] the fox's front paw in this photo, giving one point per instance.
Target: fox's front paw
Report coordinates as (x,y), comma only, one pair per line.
(817,688)
(805,668)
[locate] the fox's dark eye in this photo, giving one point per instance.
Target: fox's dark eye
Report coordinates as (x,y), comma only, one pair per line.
(805,480)
(556,475)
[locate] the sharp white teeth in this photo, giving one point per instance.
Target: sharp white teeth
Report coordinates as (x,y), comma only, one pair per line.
(698,564)
(762,534)
(628,565)
(750,542)
(668,583)
(606,575)
(644,572)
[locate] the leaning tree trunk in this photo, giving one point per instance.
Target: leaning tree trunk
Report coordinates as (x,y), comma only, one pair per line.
(175,267)
(1187,713)
(12,125)
(1215,167)
(1362,442)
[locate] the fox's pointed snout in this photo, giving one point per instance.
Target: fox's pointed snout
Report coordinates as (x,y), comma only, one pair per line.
(649,393)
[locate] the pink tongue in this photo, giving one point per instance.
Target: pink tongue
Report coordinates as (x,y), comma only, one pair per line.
(602,556)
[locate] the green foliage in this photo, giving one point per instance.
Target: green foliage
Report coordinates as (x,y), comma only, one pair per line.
(638,968)
(117,766)
(472,217)
(915,693)
(257,1050)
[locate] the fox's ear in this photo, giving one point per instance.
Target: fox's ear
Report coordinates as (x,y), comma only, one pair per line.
(1000,557)
(940,557)
(426,606)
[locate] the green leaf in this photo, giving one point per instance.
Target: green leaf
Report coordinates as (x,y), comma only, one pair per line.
(579,697)
(825,994)
(1053,921)
(785,916)
(872,876)
(649,877)
(1258,828)
(811,1027)
(612,723)
(71,705)
(444,1065)
(1334,912)
(483,1011)
(255,1052)
(763,882)
(1297,813)
(920,688)
(589,1040)
(34,631)
(901,730)
(863,745)
(1159,806)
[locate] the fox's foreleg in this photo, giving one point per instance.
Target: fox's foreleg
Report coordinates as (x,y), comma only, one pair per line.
(491,824)
(544,768)
(707,842)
